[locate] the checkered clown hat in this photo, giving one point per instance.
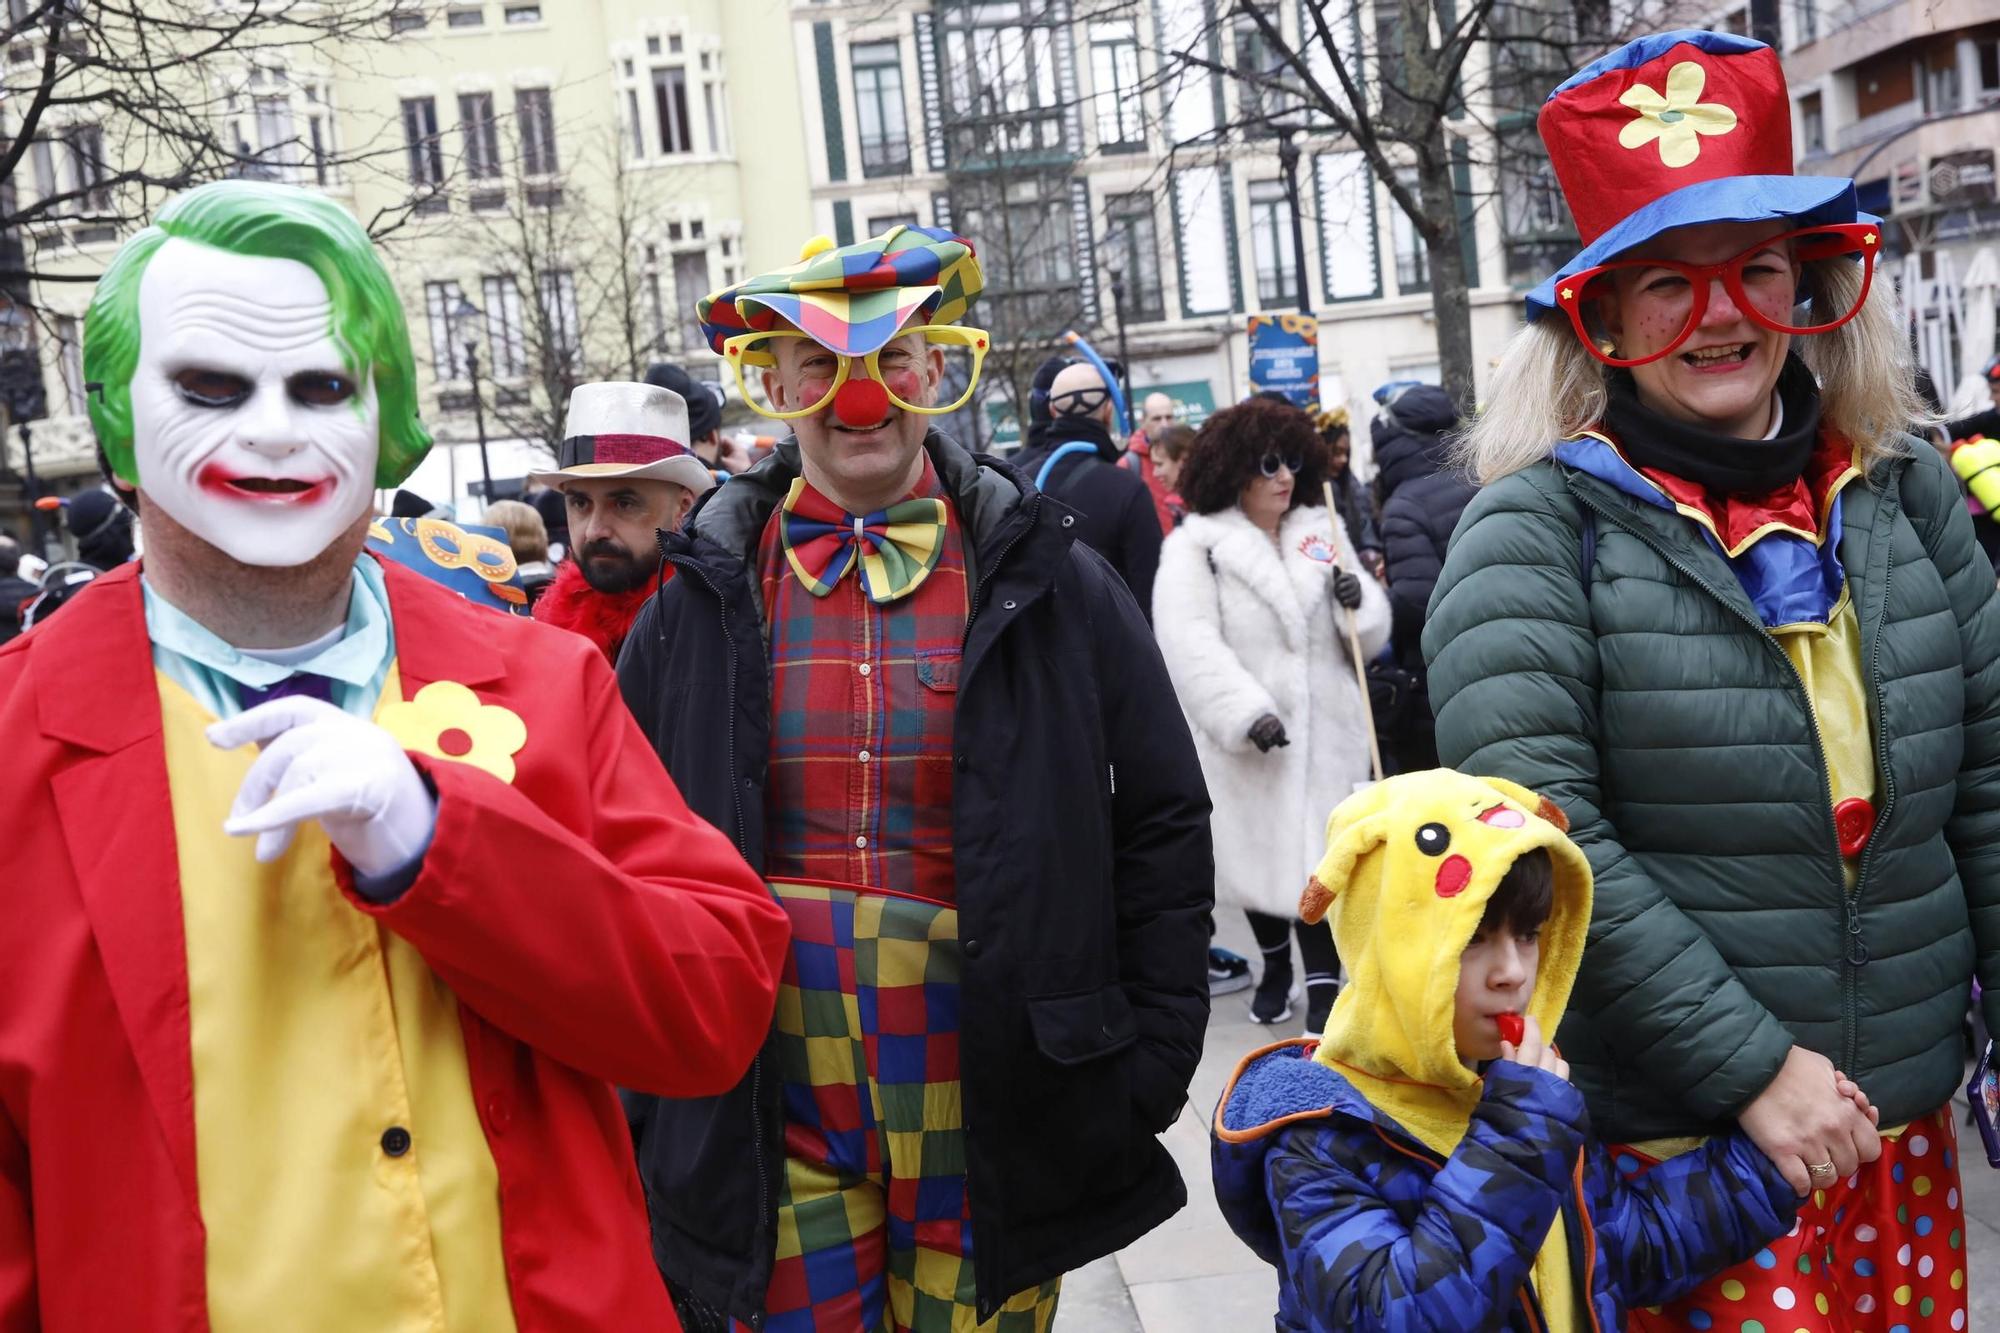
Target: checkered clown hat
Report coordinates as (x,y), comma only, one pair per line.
(853,298)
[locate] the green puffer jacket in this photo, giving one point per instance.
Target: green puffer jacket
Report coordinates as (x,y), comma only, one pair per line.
(1673,730)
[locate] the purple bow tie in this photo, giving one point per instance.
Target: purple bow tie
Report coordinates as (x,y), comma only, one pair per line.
(298,683)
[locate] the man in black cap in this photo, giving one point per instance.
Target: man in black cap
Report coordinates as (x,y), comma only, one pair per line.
(724,457)
(102,528)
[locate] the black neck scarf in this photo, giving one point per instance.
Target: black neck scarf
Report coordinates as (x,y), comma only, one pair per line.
(1709,458)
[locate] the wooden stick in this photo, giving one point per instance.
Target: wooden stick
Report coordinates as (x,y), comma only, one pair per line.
(1354,642)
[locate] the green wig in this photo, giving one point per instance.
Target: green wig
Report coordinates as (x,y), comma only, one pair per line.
(264,221)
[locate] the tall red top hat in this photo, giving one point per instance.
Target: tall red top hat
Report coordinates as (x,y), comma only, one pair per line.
(1673,130)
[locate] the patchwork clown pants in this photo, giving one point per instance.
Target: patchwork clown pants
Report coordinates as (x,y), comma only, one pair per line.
(874,1226)
(1882,1251)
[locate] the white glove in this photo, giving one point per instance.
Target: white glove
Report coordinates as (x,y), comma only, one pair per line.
(346,772)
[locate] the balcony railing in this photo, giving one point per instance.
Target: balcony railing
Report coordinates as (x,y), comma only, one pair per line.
(1885,122)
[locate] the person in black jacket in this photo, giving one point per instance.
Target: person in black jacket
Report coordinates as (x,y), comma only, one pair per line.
(1421,501)
(1056,858)
(1115,514)
(15,591)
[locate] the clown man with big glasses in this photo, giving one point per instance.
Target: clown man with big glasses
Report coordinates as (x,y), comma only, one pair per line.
(1720,607)
(335,904)
(933,718)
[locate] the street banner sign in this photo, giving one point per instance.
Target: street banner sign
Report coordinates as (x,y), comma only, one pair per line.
(1284,355)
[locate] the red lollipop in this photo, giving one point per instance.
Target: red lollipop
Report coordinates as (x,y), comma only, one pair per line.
(1512,1028)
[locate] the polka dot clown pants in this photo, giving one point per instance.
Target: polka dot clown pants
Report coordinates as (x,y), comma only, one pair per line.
(1880,1252)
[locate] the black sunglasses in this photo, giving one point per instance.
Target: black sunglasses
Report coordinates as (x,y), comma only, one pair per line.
(1271,462)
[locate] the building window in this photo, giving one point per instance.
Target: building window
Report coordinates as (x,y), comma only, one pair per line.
(878,109)
(1000,91)
(876,225)
(1534,221)
(1989,68)
(44,159)
(524,13)
(1028,248)
(1413,264)
(1941,83)
(1271,246)
(69,360)
(1132,246)
(406,20)
(557,293)
(319,132)
(1258,61)
(1812,124)
(465,18)
(1114,76)
(690,285)
(670,99)
(482,135)
(506,340)
(420,141)
(447,357)
(88,172)
(1808,12)
(536,114)
(714,103)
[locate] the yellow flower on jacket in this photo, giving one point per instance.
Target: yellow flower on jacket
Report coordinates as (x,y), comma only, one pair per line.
(446,721)
(1677,120)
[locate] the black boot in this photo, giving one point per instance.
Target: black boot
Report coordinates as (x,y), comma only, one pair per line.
(1272,1003)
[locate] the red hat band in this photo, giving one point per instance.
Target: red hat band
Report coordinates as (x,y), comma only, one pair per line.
(1631,136)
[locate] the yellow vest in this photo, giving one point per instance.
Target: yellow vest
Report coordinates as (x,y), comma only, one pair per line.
(346,1184)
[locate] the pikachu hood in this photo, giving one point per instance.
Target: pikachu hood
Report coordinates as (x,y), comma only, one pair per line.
(1410,864)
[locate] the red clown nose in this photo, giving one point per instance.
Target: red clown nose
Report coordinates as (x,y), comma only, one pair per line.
(861,402)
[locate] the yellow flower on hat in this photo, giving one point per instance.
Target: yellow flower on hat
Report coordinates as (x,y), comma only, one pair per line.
(446,721)
(1677,120)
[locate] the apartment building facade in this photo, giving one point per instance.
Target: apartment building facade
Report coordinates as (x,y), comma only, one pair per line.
(1055,135)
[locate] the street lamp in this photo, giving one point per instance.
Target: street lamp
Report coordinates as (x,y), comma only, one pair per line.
(1124,355)
(464,319)
(1288,162)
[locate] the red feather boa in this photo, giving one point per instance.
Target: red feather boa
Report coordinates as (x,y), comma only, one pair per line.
(605,618)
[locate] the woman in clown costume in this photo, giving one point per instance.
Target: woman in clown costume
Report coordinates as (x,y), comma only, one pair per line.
(1719,606)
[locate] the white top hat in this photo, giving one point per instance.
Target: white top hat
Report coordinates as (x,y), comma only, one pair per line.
(623,429)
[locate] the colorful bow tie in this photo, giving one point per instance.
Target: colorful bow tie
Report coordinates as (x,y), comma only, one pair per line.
(896,547)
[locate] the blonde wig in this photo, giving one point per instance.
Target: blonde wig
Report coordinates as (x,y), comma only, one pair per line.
(1548,388)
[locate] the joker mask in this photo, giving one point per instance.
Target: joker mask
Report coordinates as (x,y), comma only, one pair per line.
(247,426)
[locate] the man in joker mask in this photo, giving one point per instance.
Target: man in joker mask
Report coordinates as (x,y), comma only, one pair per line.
(335,903)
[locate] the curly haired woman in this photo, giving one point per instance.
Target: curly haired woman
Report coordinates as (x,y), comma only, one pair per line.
(1250,607)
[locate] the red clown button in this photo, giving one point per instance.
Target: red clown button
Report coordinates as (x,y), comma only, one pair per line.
(1854,821)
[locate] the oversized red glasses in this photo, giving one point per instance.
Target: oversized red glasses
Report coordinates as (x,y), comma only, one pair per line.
(1633,311)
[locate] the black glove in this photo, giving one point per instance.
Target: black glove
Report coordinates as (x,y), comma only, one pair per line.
(1267,732)
(1346,589)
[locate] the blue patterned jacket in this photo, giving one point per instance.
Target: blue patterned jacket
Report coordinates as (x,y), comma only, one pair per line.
(1372,1232)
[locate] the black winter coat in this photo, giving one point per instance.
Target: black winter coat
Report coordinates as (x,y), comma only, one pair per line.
(1410,438)
(1417,524)
(1084,883)
(1114,509)
(15,593)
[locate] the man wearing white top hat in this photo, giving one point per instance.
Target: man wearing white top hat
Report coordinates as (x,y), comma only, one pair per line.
(626,470)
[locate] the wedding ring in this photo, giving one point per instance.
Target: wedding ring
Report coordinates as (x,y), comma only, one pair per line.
(1823,1174)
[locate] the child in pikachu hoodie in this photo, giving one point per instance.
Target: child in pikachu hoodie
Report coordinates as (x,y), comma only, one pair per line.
(1399,1184)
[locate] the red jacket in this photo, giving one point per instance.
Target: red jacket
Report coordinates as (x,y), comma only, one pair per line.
(594,931)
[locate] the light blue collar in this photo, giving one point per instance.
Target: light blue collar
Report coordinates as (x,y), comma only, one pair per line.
(358,662)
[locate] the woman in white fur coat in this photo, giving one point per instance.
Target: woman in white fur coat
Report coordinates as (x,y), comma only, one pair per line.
(1249,609)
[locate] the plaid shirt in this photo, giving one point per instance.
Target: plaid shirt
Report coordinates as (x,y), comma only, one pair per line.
(862,700)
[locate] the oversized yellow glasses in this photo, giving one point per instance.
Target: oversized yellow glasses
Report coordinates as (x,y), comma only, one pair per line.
(897,374)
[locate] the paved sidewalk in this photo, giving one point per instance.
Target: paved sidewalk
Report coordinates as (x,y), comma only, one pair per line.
(1193,1276)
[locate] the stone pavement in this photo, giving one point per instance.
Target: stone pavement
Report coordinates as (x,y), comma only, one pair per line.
(1193,1276)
